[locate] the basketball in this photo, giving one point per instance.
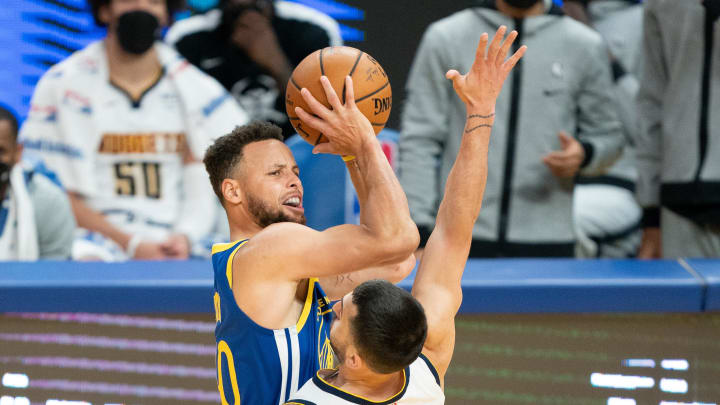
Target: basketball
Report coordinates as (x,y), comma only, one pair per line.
(371,86)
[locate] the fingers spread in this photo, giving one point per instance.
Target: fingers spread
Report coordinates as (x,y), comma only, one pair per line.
(510,63)
(314,122)
(495,44)
(506,47)
(330,93)
(349,92)
(480,52)
(314,105)
(452,74)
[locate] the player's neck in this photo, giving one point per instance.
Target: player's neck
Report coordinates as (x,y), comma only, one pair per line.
(129,70)
(242,225)
(365,383)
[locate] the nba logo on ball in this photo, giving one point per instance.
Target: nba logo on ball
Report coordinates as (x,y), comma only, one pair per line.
(371,87)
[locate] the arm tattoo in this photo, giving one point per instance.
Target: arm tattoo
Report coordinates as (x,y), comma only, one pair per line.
(342,277)
(480,116)
(467,131)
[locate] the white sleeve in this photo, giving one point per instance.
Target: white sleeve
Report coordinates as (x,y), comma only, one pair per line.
(45,133)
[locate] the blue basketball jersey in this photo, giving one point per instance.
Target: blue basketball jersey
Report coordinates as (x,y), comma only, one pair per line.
(259,366)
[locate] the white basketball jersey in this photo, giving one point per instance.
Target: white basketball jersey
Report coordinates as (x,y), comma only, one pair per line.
(422,386)
(138,168)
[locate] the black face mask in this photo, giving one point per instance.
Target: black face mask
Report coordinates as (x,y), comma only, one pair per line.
(4,173)
(137,31)
(521,3)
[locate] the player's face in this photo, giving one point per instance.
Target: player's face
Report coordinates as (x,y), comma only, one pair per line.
(109,14)
(271,186)
(340,337)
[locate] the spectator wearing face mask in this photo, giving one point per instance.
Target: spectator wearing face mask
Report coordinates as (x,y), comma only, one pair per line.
(36,221)
(123,123)
(555,119)
(252,46)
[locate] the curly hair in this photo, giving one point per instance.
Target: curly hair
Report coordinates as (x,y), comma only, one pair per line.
(224,155)
(173,6)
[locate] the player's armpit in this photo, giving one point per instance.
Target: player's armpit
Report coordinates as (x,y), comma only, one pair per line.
(288,251)
(338,286)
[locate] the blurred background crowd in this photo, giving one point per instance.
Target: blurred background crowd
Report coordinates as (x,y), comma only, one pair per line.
(606,140)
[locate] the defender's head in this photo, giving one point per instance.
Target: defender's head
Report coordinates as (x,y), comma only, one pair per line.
(252,170)
(379,327)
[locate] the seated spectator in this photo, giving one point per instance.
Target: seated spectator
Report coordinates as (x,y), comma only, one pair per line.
(607,216)
(555,119)
(36,221)
(252,46)
(678,151)
(123,123)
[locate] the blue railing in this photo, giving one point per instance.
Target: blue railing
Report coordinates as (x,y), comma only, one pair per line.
(489,286)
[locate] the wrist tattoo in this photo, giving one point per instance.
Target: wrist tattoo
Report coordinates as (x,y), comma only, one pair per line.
(480,116)
(467,131)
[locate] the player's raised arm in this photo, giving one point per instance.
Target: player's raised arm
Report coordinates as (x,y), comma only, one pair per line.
(387,233)
(437,284)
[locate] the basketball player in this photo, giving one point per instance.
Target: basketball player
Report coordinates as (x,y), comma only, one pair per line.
(273,318)
(388,349)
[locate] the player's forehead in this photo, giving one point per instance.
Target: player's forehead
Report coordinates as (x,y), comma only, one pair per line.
(263,155)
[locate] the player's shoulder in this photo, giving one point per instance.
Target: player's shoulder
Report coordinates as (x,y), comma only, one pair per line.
(278,237)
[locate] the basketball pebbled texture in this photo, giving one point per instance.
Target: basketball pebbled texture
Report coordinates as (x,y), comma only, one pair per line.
(373,94)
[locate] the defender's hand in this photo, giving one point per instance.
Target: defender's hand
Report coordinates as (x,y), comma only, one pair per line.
(346,128)
(566,162)
(480,87)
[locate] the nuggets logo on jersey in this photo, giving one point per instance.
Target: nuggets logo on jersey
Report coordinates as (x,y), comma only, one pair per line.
(259,366)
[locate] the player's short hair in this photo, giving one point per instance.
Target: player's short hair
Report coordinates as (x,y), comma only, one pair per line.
(7,115)
(224,155)
(173,6)
(390,327)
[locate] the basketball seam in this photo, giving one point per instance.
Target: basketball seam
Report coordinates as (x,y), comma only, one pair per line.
(357,60)
(293,82)
(352,72)
(373,93)
(322,68)
(318,139)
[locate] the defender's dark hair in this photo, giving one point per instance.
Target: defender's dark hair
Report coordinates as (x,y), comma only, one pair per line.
(223,156)
(390,327)
(173,6)
(7,115)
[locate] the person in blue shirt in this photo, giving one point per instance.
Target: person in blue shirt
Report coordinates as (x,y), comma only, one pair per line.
(272,314)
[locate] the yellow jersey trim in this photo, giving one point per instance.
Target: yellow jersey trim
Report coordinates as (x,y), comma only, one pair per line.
(308,304)
(221,247)
(392,397)
(229,267)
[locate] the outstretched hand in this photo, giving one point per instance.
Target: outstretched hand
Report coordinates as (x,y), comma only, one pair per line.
(480,87)
(345,126)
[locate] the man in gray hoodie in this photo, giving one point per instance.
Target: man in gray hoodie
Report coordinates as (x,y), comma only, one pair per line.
(559,121)
(678,151)
(606,214)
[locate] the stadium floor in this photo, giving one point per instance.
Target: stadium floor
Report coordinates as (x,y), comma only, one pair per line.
(499,359)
